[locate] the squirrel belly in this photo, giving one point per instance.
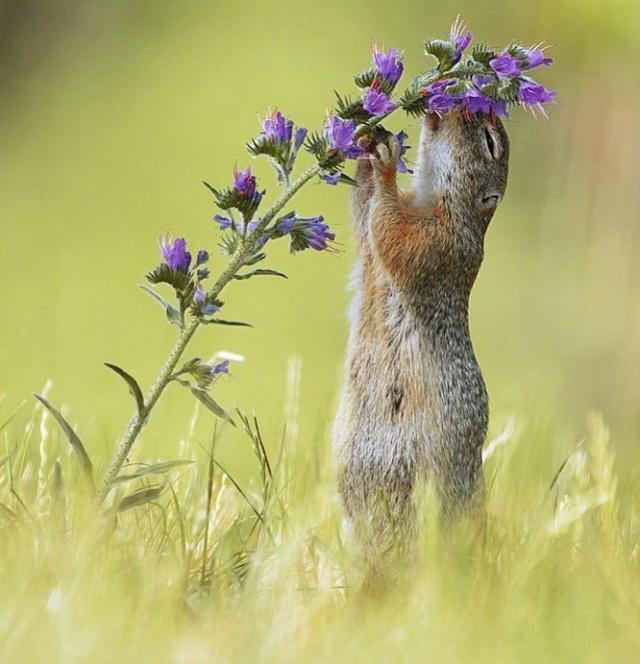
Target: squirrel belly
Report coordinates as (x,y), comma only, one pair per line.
(414,403)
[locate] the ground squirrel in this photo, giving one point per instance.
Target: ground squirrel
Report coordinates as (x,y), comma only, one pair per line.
(414,403)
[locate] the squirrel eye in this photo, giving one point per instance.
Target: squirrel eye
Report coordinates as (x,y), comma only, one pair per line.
(492,144)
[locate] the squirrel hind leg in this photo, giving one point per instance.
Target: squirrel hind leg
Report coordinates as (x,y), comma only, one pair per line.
(382,526)
(462,492)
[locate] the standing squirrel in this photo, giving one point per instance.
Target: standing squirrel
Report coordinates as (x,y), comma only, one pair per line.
(414,404)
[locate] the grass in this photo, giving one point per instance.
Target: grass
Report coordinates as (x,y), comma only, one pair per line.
(219,568)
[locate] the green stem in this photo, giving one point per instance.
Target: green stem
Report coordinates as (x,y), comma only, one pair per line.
(245,250)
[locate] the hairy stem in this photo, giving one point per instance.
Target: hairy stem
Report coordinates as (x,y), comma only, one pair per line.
(238,260)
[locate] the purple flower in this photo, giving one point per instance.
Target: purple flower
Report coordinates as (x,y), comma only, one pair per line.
(175,253)
(286,224)
(389,64)
(376,102)
(499,107)
(474,101)
(439,101)
(341,135)
(330,178)
(244,183)
(202,257)
(277,127)
(200,300)
(532,93)
(306,232)
(401,138)
(460,38)
(301,134)
(505,65)
(220,368)
(480,80)
(535,58)
(222,221)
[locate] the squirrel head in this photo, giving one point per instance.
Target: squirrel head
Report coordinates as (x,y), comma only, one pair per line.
(463,164)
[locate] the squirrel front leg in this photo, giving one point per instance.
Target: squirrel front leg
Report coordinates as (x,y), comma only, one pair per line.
(361,200)
(400,235)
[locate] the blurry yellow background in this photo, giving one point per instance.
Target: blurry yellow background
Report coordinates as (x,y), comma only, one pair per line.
(112,113)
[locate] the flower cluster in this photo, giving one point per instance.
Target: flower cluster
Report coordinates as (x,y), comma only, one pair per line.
(378,83)
(487,82)
(185,278)
(340,134)
(280,142)
(305,232)
(201,373)
(243,195)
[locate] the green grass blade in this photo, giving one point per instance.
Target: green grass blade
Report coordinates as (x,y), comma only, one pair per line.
(140,497)
(153,469)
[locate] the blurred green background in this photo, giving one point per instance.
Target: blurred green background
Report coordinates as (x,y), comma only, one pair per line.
(112,113)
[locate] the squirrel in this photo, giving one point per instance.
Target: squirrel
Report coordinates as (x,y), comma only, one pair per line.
(414,403)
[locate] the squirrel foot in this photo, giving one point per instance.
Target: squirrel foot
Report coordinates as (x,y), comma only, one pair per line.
(385,163)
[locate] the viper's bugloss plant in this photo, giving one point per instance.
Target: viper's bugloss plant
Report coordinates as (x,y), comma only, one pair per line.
(486,81)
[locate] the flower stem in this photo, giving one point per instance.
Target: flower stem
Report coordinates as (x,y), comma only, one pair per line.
(244,251)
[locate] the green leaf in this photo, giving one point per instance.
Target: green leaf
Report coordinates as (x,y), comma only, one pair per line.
(319,147)
(153,469)
(263,145)
(413,101)
(483,54)
(255,258)
(229,243)
(365,78)
(517,50)
(442,50)
(163,274)
(508,89)
(231,323)
(134,388)
(173,315)
(261,272)
(140,497)
(348,109)
(345,179)
(230,198)
(72,437)
(206,400)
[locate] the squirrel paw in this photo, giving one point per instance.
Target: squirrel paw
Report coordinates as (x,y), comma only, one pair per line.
(386,161)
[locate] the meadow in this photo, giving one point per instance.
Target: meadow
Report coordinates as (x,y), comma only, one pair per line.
(111,118)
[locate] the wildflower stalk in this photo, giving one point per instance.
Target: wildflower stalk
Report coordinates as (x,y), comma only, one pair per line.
(237,262)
